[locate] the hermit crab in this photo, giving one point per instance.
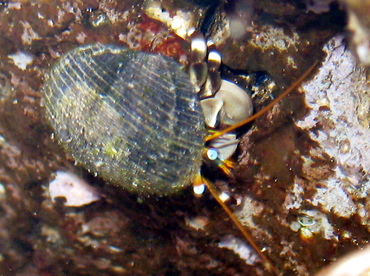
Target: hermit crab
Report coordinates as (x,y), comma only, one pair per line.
(134,117)
(140,122)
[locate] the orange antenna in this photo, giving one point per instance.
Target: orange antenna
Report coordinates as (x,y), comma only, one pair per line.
(266,108)
(266,262)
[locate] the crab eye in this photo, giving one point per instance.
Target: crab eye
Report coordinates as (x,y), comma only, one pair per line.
(199,189)
(212,154)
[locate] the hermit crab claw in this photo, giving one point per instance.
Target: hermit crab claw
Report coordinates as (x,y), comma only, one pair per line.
(230,105)
(211,108)
(237,104)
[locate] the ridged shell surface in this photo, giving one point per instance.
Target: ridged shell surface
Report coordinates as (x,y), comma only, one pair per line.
(131,117)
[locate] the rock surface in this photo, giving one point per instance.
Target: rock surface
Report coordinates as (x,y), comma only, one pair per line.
(302,173)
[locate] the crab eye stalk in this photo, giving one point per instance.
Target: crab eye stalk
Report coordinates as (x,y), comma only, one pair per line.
(212,154)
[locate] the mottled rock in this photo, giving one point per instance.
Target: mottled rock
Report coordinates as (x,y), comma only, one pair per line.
(308,180)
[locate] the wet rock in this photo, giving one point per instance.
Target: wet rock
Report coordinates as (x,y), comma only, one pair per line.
(308,179)
(301,171)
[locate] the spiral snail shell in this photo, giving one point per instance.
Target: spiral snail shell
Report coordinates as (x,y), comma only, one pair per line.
(132,118)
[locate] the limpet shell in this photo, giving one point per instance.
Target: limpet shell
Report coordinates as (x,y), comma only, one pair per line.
(131,117)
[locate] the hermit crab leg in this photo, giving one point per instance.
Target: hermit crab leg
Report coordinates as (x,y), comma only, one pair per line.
(205,62)
(296,84)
